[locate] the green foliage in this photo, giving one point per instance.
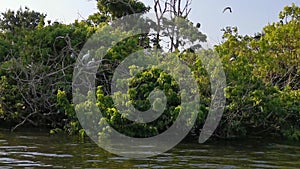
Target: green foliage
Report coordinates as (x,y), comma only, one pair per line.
(3,86)
(36,70)
(12,21)
(64,104)
(109,10)
(36,63)
(119,8)
(140,87)
(263,79)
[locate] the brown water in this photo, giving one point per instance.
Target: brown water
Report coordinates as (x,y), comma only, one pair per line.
(40,150)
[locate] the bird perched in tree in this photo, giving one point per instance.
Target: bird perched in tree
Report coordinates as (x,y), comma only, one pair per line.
(227,8)
(198,25)
(257,36)
(281,22)
(231,59)
(91,63)
(86,56)
(73,55)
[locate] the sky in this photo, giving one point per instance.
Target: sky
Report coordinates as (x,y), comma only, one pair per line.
(250,16)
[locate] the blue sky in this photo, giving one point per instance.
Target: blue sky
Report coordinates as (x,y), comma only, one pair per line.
(250,16)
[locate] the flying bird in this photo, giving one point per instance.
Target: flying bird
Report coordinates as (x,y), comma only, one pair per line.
(198,25)
(227,8)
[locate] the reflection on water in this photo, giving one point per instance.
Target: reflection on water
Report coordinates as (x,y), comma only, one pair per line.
(40,150)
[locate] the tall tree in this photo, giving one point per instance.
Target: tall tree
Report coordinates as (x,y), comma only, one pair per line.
(21,19)
(119,8)
(176,11)
(112,9)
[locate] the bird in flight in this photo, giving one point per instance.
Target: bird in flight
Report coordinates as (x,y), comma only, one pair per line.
(227,8)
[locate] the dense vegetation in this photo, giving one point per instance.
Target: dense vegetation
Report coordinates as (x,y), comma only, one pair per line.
(37,60)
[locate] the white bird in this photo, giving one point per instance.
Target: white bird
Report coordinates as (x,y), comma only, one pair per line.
(232,59)
(91,63)
(86,56)
(73,55)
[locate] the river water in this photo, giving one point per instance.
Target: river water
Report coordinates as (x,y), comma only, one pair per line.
(41,150)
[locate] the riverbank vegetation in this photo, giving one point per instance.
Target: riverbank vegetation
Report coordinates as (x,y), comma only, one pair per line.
(37,60)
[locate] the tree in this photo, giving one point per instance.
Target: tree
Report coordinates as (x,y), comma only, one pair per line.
(263,79)
(113,9)
(172,16)
(21,19)
(39,64)
(119,8)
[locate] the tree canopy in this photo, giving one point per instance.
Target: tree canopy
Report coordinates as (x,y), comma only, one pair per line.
(21,19)
(37,63)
